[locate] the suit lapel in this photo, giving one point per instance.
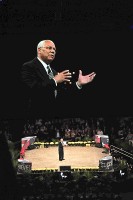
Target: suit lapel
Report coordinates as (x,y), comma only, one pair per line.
(40,69)
(42,72)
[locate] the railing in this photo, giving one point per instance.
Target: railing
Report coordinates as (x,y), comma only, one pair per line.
(121,151)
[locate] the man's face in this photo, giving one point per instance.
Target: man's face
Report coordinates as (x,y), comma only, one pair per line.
(47,52)
(61,140)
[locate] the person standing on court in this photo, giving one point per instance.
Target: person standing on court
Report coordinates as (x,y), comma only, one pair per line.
(61,149)
(40,81)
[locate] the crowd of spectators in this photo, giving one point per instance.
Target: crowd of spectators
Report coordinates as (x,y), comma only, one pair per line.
(74,128)
(80,129)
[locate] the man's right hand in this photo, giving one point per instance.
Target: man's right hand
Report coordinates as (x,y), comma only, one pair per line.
(63,76)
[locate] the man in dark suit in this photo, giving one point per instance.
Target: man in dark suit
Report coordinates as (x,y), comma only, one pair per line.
(41,81)
(61,150)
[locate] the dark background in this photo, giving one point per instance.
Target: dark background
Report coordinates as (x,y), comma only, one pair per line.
(89,35)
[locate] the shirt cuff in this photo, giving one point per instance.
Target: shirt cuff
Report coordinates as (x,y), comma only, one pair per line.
(55,81)
(79,87)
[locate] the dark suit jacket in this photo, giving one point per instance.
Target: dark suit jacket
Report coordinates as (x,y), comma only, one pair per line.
(60,147)
(39,92)
(38,89)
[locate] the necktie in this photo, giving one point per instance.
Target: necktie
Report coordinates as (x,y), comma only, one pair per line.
(48,69)
(50,73)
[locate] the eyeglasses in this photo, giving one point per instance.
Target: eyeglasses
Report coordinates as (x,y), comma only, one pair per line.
(49,48)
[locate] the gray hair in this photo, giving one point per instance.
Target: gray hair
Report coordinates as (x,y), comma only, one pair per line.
(41,43)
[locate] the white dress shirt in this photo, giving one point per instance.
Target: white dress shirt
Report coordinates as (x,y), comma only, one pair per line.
(45,67)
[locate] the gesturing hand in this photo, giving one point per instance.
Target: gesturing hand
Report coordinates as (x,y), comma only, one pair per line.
(82,80)
(63,76)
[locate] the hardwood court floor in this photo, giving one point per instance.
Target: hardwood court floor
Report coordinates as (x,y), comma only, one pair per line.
(74,156)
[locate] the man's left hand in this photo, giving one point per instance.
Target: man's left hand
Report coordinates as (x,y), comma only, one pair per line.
(82,80)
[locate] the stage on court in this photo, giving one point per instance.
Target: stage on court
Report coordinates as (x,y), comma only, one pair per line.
(75,156)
